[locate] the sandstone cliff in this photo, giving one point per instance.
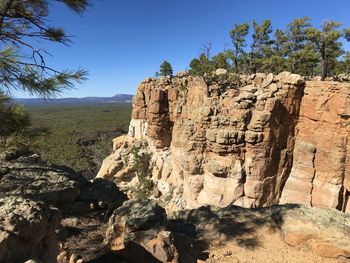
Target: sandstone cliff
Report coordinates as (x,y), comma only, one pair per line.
(254,141)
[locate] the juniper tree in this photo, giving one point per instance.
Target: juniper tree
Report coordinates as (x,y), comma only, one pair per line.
(220,61)
(343,65)
(22,61)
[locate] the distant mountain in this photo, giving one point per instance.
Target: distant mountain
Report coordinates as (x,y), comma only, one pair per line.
(118,98)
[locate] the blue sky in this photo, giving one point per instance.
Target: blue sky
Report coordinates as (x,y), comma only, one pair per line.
(121,42)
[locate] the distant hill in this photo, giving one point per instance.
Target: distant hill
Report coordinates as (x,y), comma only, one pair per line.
(118,98)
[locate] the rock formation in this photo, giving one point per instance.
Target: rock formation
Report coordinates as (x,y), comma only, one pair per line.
(27,230)
(23,174)
(251,141)
(33,195)
(320,174)
(139,231)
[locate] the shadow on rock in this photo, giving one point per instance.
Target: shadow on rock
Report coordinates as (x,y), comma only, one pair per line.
(217,226)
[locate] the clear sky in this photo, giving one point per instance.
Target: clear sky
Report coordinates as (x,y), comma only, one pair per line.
(121,42)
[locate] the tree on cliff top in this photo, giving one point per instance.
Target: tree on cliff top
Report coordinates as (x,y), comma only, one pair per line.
(166,69)
(261,44)
(22,64)
(327,43)
(238,36)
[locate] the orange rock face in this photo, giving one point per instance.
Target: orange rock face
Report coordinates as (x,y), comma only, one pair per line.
(264,140)
(321,166)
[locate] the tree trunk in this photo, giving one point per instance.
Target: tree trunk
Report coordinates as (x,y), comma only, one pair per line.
(251,61)
(323,69)
(323,62)
(236,61)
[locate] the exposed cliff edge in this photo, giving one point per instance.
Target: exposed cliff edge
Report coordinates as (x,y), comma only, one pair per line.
(255,141)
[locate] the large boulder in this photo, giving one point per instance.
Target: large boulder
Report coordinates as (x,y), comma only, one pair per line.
(137,231)
(37,181)
(27,230)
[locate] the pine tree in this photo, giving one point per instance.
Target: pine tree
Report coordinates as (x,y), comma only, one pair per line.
(297,41)
(166,69)
(202,65)
(261,45)
(276,61)
(238,36)
(22,24)
(220,61)
(14,118)
(327,42)
(346,60)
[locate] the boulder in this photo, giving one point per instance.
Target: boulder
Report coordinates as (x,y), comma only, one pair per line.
(139,226)
(36,180)
(27,230)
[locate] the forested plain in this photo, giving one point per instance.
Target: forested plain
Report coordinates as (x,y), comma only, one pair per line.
(78,136)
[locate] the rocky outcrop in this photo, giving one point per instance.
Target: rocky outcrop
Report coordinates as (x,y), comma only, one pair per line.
(23,174)
(27,230)
(326,231)
(137,231)
(250,141)
(32,196)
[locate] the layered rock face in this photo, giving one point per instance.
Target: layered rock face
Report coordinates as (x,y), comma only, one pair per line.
(320,173)
(253,141)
